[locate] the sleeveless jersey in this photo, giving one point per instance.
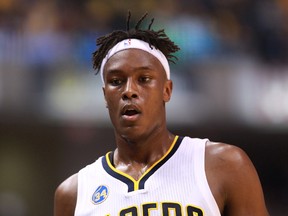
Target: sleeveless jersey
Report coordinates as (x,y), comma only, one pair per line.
(175,185)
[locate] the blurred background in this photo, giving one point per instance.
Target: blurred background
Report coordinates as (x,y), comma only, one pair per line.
(230,85)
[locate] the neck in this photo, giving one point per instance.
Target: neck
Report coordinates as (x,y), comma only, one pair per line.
(144,151)
(135,157)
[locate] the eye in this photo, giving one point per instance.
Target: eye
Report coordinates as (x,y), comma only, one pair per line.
(144,79)
(115,81)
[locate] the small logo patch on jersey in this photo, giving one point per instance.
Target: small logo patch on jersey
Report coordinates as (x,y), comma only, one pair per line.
(100,194)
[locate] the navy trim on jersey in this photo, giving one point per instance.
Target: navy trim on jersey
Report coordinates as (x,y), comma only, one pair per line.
(116,175)
(171,153)
(130,183)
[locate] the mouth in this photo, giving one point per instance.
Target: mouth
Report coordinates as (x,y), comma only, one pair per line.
(130,112)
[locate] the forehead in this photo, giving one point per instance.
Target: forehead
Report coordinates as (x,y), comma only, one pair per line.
(133,59)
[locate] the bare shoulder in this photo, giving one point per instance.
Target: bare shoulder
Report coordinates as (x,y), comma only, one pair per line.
(66,196)
(226,155)
(233,180)
(227,163)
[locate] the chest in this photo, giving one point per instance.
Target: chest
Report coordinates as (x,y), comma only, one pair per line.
(177,185)
(163,192)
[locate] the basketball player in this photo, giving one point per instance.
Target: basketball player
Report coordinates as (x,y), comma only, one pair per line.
(153,172)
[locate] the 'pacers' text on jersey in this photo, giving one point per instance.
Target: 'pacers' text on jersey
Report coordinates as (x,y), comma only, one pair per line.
(165,209)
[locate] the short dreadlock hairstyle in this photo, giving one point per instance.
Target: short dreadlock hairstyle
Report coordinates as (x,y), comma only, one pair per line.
(158,39)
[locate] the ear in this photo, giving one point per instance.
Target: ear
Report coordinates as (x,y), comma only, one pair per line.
(167,90)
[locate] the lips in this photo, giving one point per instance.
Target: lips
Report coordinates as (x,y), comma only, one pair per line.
(130,112)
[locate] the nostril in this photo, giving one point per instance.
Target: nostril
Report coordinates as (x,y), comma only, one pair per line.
(124,97)
(129,95)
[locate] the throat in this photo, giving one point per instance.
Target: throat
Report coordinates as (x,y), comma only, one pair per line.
(136,159)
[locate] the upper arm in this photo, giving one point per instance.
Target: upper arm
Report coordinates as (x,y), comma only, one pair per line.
(66,197)
(241,190)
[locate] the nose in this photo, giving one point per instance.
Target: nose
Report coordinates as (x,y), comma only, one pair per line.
(130,90)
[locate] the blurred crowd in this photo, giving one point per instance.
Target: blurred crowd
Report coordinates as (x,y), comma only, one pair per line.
(46,48)
(57,31)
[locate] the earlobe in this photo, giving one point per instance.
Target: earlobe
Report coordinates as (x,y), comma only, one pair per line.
(167,92)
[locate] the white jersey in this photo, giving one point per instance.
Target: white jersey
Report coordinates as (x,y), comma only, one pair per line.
(175,185)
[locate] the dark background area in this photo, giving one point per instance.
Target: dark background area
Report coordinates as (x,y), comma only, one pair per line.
(43,155)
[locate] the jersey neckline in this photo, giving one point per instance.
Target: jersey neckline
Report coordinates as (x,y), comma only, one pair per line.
(134,185)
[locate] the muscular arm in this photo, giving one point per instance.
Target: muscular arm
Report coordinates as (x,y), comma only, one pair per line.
(65,197)
(234,181)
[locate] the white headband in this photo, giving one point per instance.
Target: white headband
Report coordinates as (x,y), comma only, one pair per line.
(136,44)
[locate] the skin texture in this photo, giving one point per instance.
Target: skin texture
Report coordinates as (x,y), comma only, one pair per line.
(143,138)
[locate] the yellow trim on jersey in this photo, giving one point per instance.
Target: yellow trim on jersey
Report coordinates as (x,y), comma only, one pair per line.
(136,182)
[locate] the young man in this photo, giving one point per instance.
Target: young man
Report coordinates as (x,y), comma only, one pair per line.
(152,171)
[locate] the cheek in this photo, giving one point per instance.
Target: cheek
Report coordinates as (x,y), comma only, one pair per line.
(155,100)
(111,100)
(111,105)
